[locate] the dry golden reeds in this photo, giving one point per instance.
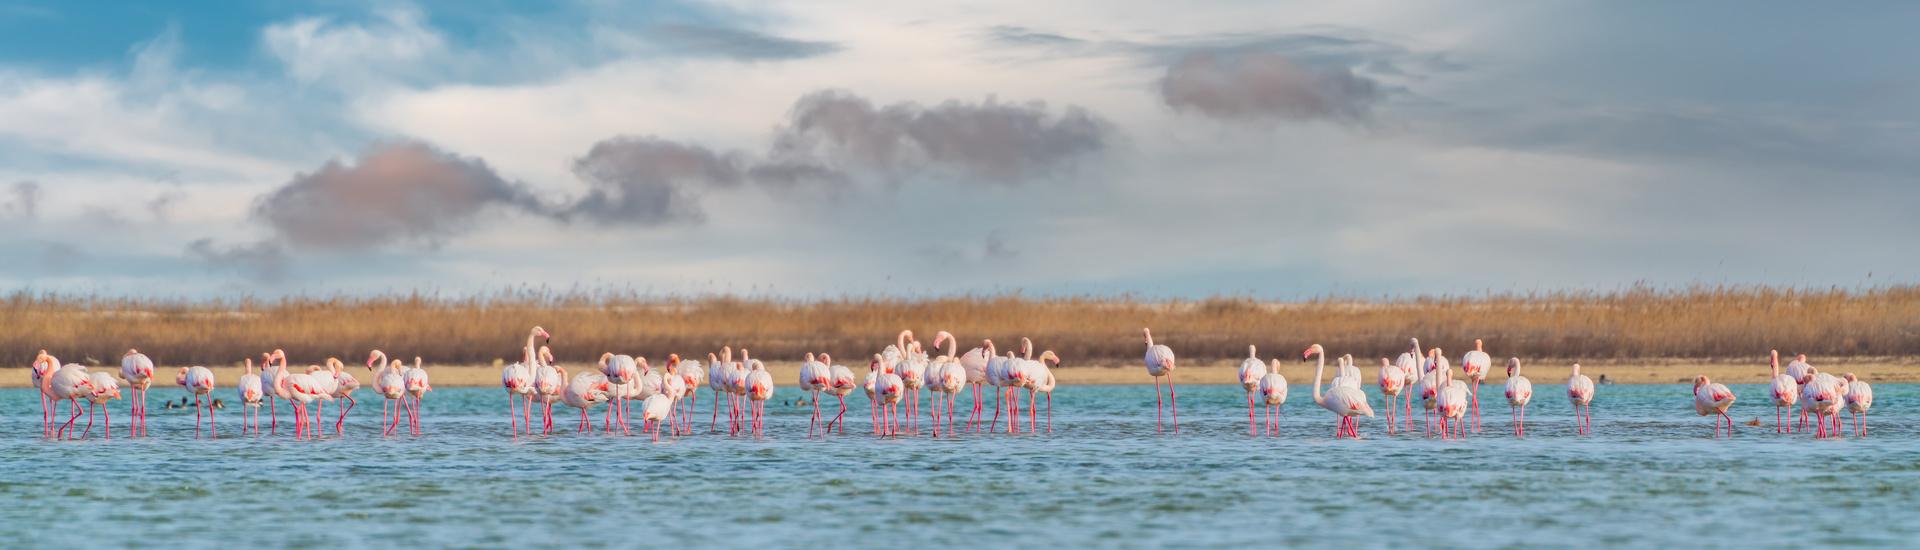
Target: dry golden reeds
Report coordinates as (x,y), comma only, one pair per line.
(1637,323)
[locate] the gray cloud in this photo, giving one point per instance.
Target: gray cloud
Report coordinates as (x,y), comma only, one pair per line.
(263,260)
(161,206)
(394,192)
(997,248)
(647,180)
(735,43)
(26,199)
(1266,86)
(988,142)
(57,258)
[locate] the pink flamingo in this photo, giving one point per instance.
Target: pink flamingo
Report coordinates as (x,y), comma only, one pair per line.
(1348,402)
(1273,393)
(1580,393)
(200,383)
(886,394)
(759,390)
(1392,381)
(1785,393)
(815,378)
(137,370)
(344,385)
(1519,393)
(1859,400)
(843,384)
(300,390)
(1475,364)
(1409,365)
(1160,362)
(946,377)
(251,391)
(1710,398)
(105,389)
(1251,370)
(975,363)
(517,378)
(44,366)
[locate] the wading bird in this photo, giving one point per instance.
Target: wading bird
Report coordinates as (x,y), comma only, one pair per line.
(1347,402)
(1519,392)
(1785,393)
(1580,394)
(1859,399)
(1710,399)
(137,369)
(1160,362)
(1251,370)
(1273,393)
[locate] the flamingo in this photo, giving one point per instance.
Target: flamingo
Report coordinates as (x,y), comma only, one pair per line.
(1784,391)
(815,377)
(1347,402)
(1452,401)
(1859,398)
(252,391)
(975,363)
(913,375)
(843,383)
(886,394)
(389,383)
(43,368)
(137,369)
(1251,370)
(417,385)
(343,388)
(695,376)
(675,388)
(655,411)
(620,370)
(1519,392)
(299,390)
(717,378)
(105,388)
(1409,364)
(1000,376)
(737,387)
(1160,362)
(70,383)
(1032,371)
(517,378)
(1349,373)
(946,377)
(1273,393)
(759,390)
(270,371)
(583,392)
(1580,393)
(1710,398)
(200,383)
(1430,387)
(326,383)
(1392,381)
(1475,364)
(549,381)
(1802,373)
(1823,395)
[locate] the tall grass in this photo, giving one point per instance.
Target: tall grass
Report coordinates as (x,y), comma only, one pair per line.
(1637,323)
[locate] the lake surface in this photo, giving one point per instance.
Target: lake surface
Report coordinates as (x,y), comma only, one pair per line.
(1649,474)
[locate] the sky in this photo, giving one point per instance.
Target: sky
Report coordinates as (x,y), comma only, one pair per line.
(828,148)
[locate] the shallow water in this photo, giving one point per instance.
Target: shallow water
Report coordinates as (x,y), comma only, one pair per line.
(1649,474)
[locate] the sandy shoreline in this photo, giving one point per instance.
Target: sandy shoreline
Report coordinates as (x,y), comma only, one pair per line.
(1873,370)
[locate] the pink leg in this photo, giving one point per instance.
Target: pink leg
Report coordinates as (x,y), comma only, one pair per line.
(1173,397)
(1157,405)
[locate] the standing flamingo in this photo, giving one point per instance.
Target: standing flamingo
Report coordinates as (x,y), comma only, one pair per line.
(843,384)
(1475,364)
(517,378)
(759,390)
(252,391)
(913,374)
(814,378)
(675,388)
(71,383)
(1710,398)
(1430,387)
(946,377)
(200,383)
(1823,395)
(1347,402)
(720,368)
(620,371)
(1580,393)
(1785,393)
(343,388)
(299,390)
(1032,371)
(656,410)
(1802,373)
(43,367)
(1392,382)
(1273,393)
(737,387)
(418,385)
(1409,364)
(886,394)
(695,376)
(975,363)
(583,392)
(1251,370)
(1519,392)
(389,383)
(1000,375)
(1160,362)
(137,370)
(105,389)
(1453,401)
(269,371)
(1859,399)
(549,382)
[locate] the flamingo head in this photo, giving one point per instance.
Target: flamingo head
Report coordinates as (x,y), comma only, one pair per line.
(1477,346)
(130,353)
(1700,380)
(644,367)
(1050,356)
(1801,358)
(1773,357)
(673,360)
(941,337)
(1308,354)
(1850,378)
(826,359)
(546,355)
(542,333)
(1149,334)
(1513,366)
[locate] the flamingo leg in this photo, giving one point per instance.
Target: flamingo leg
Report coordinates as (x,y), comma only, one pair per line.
(1157,405)
(341,423)
(1173,398)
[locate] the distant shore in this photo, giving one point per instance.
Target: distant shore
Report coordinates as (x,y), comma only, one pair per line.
(1878,370)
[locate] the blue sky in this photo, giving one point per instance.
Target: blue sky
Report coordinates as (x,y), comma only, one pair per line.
(1280,149)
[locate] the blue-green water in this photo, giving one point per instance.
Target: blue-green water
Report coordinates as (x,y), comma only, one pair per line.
(1649,474)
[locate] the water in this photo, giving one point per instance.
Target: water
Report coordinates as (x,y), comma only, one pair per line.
(1647,475)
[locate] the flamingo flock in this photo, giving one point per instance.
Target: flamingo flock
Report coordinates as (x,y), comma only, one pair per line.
(895,375)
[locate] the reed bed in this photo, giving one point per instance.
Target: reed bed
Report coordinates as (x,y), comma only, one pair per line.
(1640,323)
